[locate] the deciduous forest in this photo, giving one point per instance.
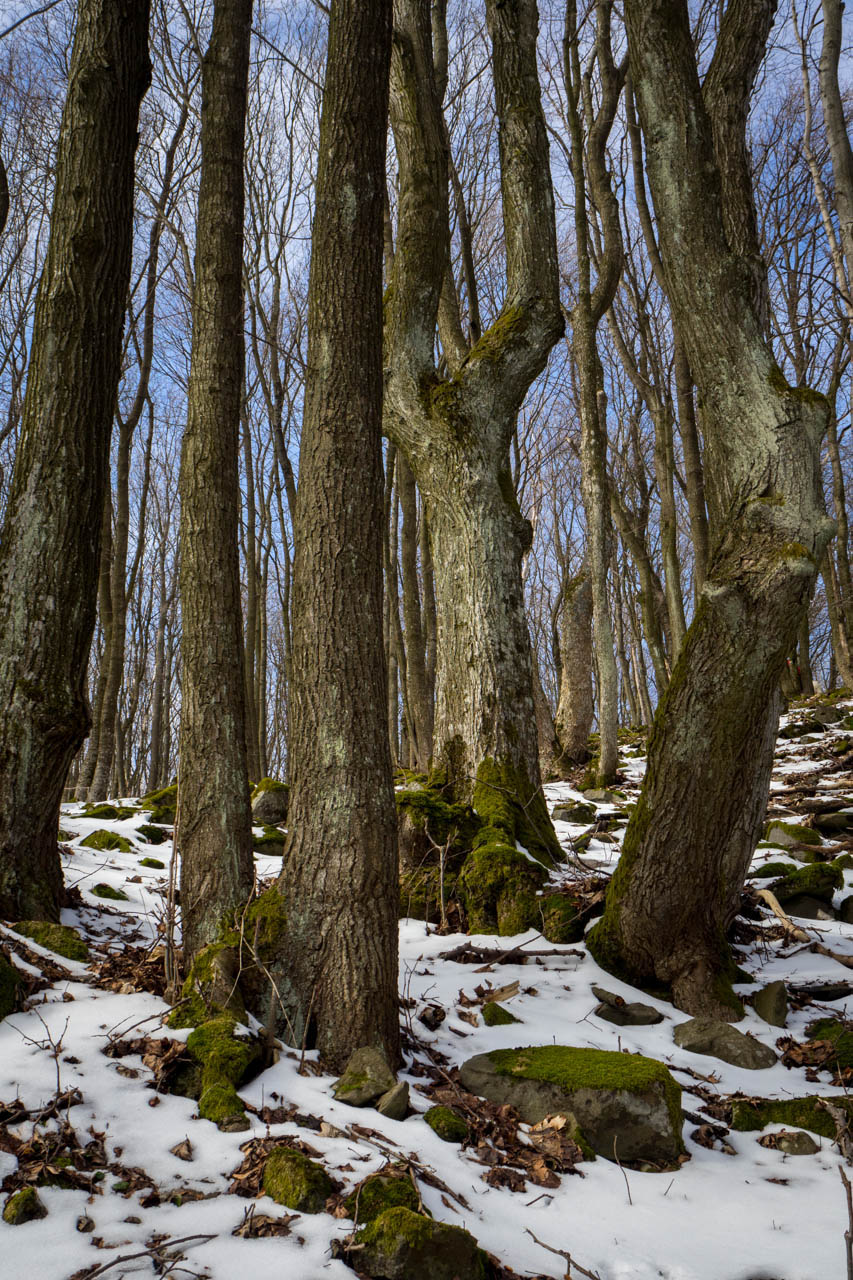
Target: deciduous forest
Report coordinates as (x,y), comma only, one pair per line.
(426,617)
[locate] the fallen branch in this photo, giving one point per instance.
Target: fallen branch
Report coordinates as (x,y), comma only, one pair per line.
(468,952)
(800,935)
(570,1262)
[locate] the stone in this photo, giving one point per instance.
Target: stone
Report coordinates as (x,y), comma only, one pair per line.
(293,1180)
(817,881)
(378,1193)
(624,1105)
(395,1103)
(771,1003)
(845,911)
(10,983)
(601,796)
(833,822)
(23,1206)
(495,1015)
(446,1124)
(576,812)
(366,1078)
(622,1012)
(808,908)
(403,1245)
(788,834)
(827,715)
(716,1039)
(796,1142)
(270,803)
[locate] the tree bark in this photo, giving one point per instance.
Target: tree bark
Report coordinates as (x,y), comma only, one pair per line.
(213,829)
(50,545)
(338,974)
(677,887)
(576,706)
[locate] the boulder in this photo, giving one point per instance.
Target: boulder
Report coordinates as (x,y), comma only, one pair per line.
(771,1003)
(446,1124)
(366,1078)
(807,907)
(269,803)
(293,1180)
(787,835)
(845,911)
(575,811)
(403,1245)
(395,1103)
(716,1039)
(23,1206)
(796,1142)
(622,1013)
(624,1105)
(378,1193)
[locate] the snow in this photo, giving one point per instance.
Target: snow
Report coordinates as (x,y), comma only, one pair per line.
(756,1215)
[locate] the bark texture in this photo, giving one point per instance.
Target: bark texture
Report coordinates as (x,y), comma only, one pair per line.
(338,975)
(456,430)
(576,705)
(50,545)
(214,823)
(689,843)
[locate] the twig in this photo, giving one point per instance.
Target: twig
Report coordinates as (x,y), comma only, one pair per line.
(148,1253)
(570,1262)
(624,1174)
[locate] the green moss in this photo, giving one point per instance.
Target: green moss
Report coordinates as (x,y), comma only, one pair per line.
(109,812)
(269,784)
(107,842)
(495,1015)
(155,863)
(573,1069)
(225,1060)
(107,891)
(378,1193)
(446,1124)
(272,836)
(60,938)
(163,805)
(560,920)
(10,981)
(769,870)
(400,1242)
(154,835)
(844,862)
(818,880)
(513,811)
(840,1036)
(65,837)
(23,1206)
(499,887)
(799,1113)
(296,1182)
(802,395)
(443,821)
(802,835)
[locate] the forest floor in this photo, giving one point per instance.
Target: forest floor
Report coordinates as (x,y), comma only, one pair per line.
(151,1189)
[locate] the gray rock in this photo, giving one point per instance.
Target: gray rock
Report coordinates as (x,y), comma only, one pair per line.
(403,1245)
(808,908)
(716,1039)
(833,822)
(366,1078)
(601,795)
(577,812)
(269,805)
(771,1003)
(845,911)
(796,1142)
(827,715)
(623,1104)
(622,1012)
(395,1103)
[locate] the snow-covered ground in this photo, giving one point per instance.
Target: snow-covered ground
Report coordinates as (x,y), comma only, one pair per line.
(756,1214)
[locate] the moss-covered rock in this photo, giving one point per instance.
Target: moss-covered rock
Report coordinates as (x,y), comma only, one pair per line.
(431,829)
(64,836)
(769,870)
(162,804)
(225,1060)
(499,888)
(154,863)
(271,842)
(110,812)
(270,801)
(788,834)
(102,890)
(23,1206)
(495,1015)
(560,920)
(366,1078)
(446,1124)
(818,880)
(10,984)
(801,1113)
(575,811)
(60,938)
(513,812)
(625,1105)
(403,1245)
(378,1193)
(840,1036)
(296,1182)
(107,842)
(152,834)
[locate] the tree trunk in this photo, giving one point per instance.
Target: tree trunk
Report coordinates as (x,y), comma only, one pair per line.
(213,830)
(105,610)
(420,701)
(339,969)
(50,546)
(576,706)
(688,845)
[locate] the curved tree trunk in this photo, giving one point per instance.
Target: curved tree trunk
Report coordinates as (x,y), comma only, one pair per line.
(214,823)
(339,970)
(690,840)
(49,550)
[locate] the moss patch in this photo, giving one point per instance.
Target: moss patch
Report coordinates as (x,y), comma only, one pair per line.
(495,1015)
(163,805)
(793,831)
(446,1124)
(23,1206)
(110,812)
(840,1036)
(272,841)
(107,891)
(800,1113)
(107,842)
(818,880)
(402,1243)
(225,1060)
(499,887)
(513,811)
(379,1192)
(296,1182)
(154,835)
(60,938)
(155,863)
(268,784)
(561,922)
(769,870)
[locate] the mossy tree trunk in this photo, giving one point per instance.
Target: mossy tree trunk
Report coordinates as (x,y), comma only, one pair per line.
(50,545)
(337,972)
(214,822)
(576,705)
(689,843)
(456,430)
